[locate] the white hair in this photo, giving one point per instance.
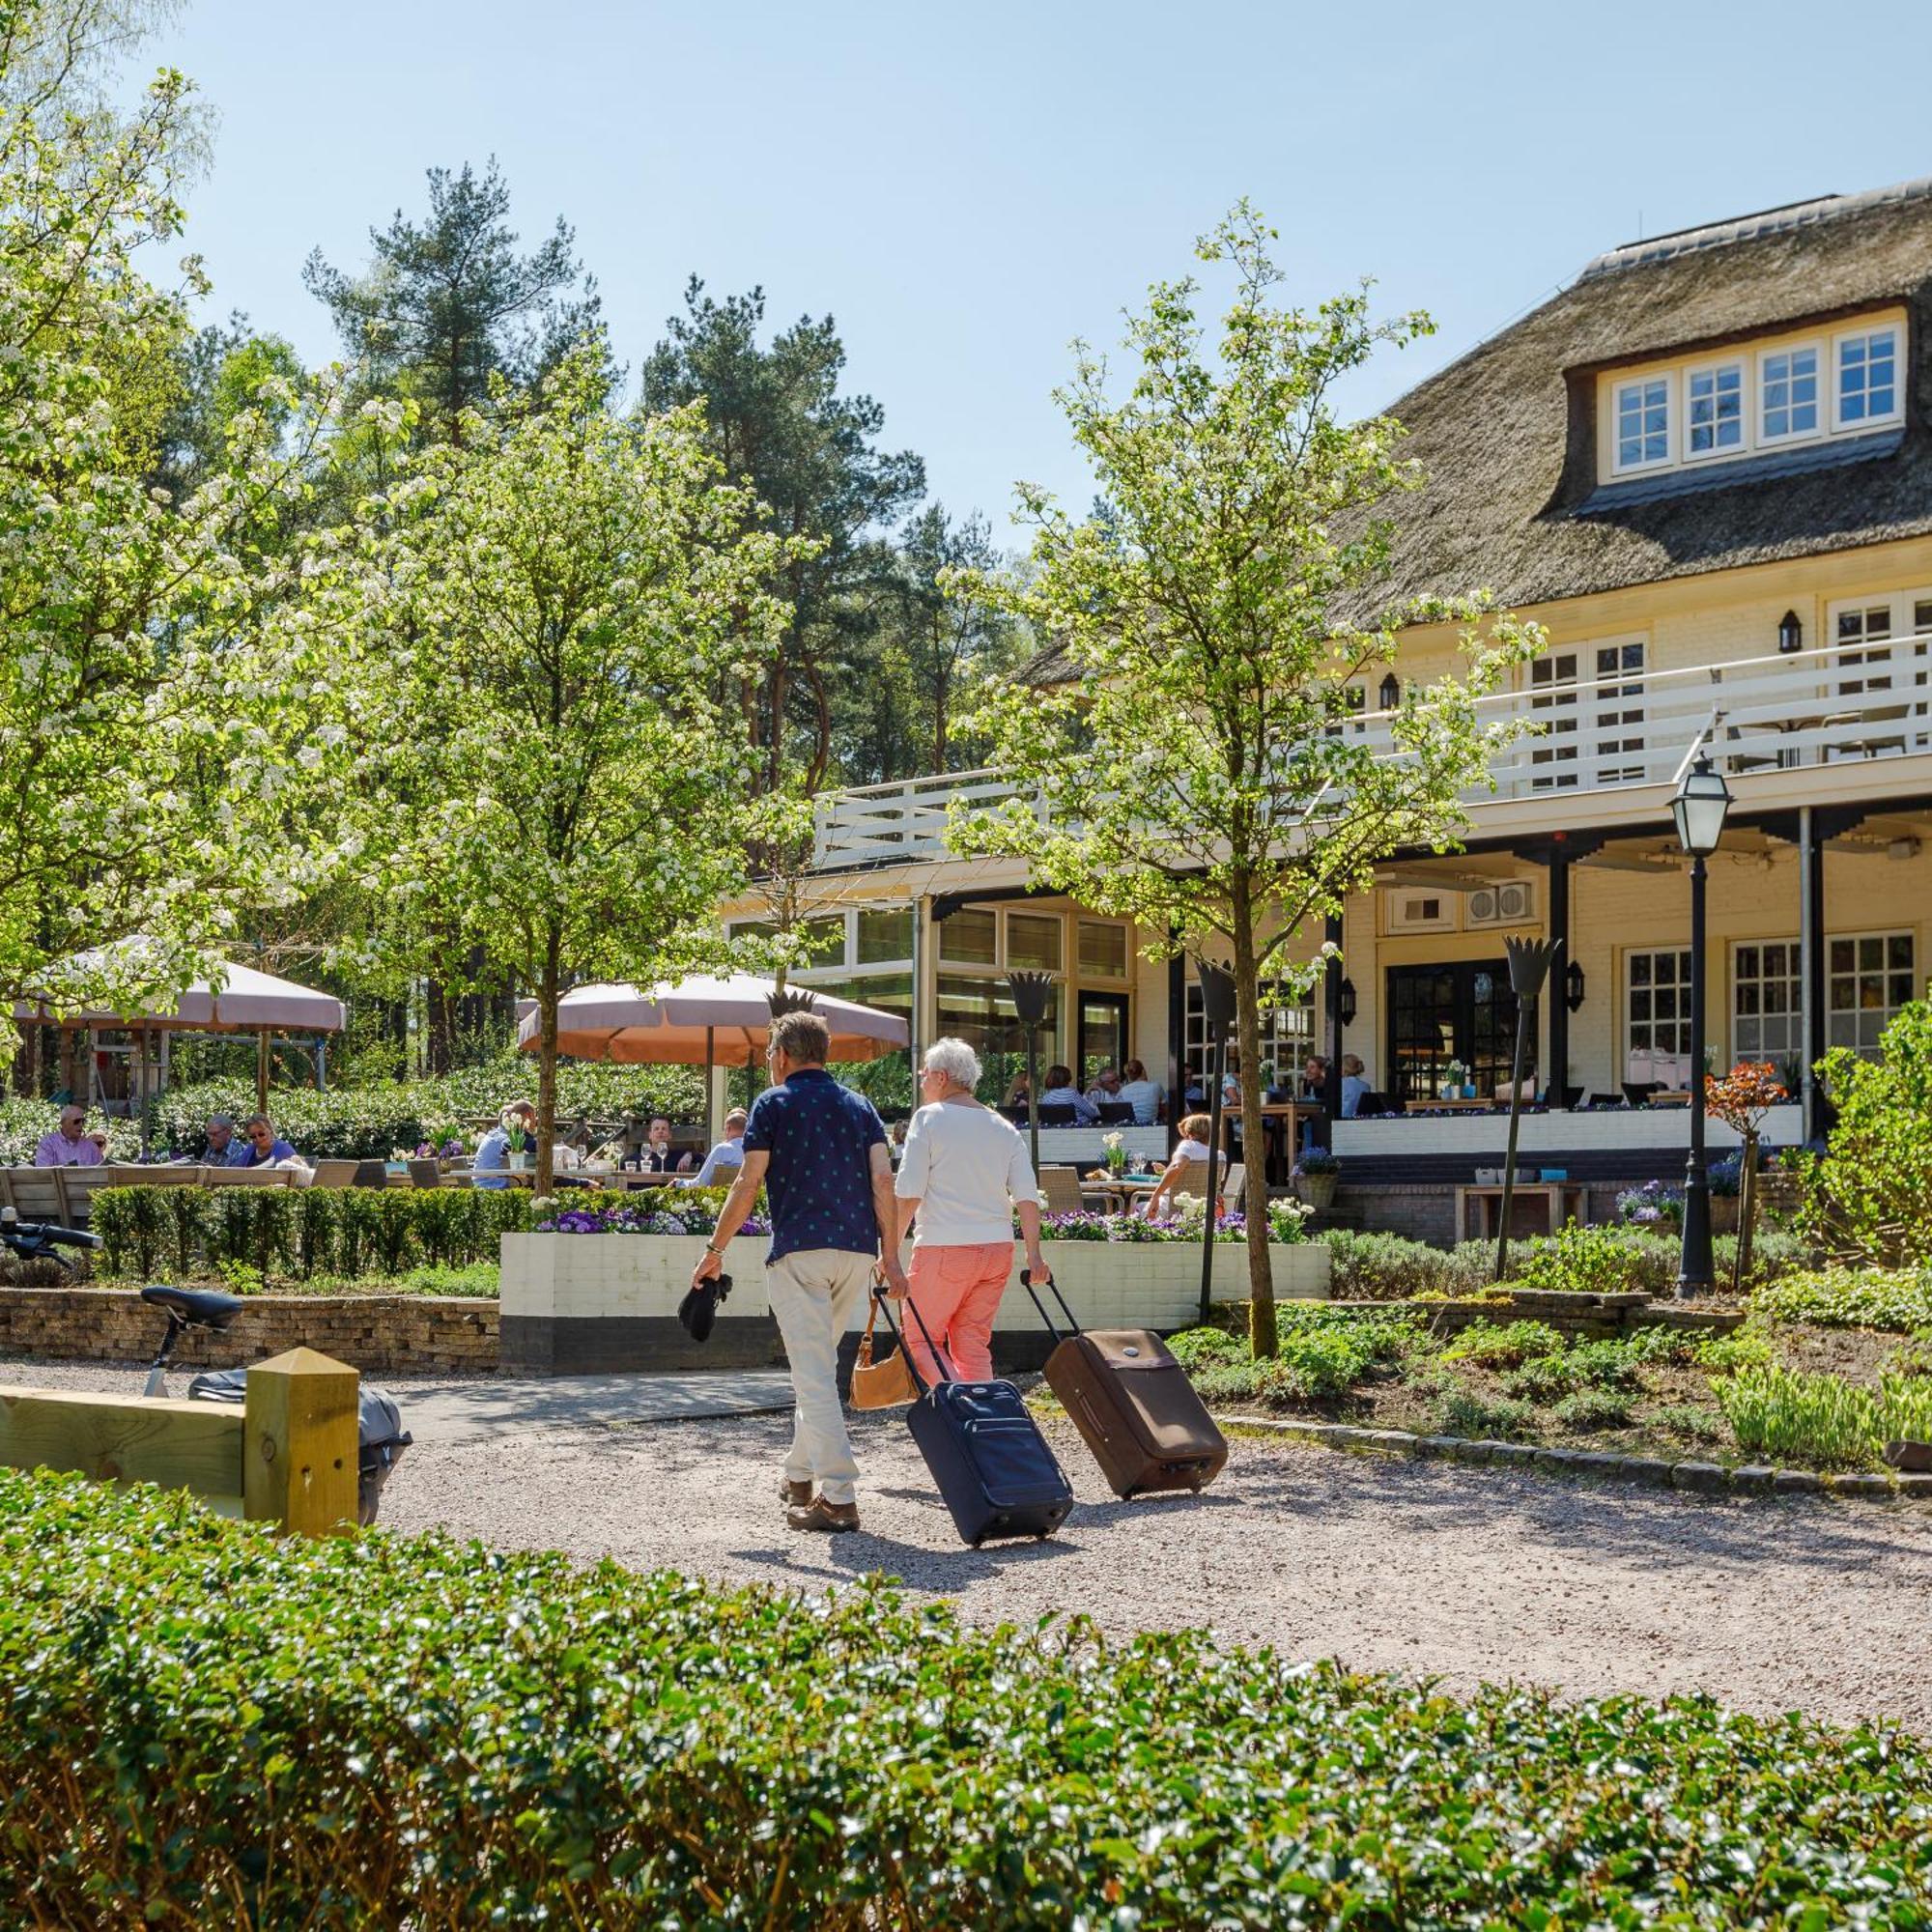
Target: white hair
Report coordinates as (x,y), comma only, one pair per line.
(955,1059)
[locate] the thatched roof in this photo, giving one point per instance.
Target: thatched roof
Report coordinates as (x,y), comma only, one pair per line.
(1507,435)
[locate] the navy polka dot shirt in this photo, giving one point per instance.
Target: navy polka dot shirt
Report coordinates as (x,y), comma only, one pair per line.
(820,1137)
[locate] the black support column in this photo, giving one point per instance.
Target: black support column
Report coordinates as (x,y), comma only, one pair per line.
(1177,1046)
(1812,838)
(1332,1027)
(1556,1074)
(1558,852)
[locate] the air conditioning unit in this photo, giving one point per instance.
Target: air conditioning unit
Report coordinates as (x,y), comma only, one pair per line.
(1512,902)
(1417,910)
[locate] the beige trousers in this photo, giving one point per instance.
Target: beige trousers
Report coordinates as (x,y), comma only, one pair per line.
(816,1295)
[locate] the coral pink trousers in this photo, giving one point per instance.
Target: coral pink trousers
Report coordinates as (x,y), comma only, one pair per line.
(956,1291)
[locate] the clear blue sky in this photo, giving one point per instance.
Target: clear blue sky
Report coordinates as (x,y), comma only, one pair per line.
(966,188)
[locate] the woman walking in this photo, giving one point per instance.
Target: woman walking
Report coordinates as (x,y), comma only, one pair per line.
(964,1173)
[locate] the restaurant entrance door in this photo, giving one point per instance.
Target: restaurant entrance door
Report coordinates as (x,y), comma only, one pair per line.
(1464,1011)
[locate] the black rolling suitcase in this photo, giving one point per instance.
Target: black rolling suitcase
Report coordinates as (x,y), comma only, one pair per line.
(993,1467)
(1133,1403)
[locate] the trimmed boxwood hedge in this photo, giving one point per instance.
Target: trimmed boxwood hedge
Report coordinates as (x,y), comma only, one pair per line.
(206,1725)
(302,1231)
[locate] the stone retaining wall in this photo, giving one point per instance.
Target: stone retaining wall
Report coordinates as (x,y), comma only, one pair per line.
(390,1334)
(1584,1316)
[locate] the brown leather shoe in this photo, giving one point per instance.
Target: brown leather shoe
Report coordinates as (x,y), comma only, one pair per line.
(794,1496)
(818,1514)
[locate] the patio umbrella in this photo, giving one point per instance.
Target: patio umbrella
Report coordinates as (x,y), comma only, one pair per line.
(686,1023)
(249,1001)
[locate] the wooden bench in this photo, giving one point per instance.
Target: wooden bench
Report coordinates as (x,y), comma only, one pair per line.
(1561,1201)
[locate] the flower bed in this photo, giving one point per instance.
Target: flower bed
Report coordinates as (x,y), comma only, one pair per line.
(412,1731)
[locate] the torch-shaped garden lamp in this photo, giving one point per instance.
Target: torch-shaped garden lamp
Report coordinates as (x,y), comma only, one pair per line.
(1529,966)
(1032,993)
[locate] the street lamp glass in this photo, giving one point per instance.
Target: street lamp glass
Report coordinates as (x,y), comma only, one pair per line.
(1700,807)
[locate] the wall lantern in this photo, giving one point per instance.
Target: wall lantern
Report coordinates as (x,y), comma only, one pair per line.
(1388,693)
(1573,986)
(1790,632)
(1346,1007)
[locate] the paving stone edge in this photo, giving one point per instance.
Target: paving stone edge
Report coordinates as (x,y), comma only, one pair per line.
(1692,1475)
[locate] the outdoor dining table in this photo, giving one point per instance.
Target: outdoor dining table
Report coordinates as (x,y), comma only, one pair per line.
(1456,1105)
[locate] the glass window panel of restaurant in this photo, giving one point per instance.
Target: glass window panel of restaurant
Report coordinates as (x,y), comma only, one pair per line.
(1288,1038)
(980,1012)
(1767,1021)
(1656,1018)
(1868,975)
(1620,714)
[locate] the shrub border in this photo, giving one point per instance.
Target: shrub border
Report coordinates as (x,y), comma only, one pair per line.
(1690,1476)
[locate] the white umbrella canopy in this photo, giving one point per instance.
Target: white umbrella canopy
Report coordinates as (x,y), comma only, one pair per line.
(688,1023)
(248,1002)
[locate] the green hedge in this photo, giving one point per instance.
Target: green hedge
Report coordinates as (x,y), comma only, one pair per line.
(207,1725)
(369,1122)
(302,1231)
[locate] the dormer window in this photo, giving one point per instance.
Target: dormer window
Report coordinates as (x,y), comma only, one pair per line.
(1788,383)
(1868,377)
(1716,409)
(1643,423)
(1784,393)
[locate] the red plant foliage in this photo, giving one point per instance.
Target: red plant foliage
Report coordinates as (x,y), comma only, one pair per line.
(1745,1095)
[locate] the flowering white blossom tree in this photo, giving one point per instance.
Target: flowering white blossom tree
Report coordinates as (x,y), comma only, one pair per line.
(556,615)
(149,717)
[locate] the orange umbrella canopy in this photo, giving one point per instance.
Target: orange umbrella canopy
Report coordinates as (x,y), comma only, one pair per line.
(700,1019)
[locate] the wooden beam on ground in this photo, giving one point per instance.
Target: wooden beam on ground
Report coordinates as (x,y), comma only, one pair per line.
(181,1445)
(299,1460)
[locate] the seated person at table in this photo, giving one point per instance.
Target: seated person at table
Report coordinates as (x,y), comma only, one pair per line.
(1060,1092)
(223,1146)
(1142,1094)
(263,1145)
(1106,1085)
(657,1155)
(492,1150)
(70,1145)
(1355,1085)
(1315,1077)
(1190,1150)
(1020,1092)
(721,1163)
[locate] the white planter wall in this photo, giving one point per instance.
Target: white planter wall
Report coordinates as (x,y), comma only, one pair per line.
(1481,1135)
(583,1301)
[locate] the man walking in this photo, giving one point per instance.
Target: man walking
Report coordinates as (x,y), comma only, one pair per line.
(819,1153)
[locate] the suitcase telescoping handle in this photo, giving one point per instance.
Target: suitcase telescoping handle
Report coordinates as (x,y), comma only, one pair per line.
(1072,1326)
(938,1353)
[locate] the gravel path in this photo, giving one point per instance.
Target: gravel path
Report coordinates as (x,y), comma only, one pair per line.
(1422,1567)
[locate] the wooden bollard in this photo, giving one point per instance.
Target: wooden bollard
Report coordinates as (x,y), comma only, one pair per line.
(299,1439)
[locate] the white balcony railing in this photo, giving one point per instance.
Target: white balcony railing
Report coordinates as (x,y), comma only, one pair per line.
(1872,699)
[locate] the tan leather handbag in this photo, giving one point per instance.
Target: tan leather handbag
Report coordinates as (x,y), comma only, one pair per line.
(882,1384)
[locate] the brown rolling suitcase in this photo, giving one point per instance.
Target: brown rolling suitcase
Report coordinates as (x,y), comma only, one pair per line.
(1133,1403)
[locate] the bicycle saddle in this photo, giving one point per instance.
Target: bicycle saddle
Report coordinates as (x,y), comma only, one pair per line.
(198,1307)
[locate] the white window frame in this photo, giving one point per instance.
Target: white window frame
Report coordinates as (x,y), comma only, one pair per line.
(1726,452)
(1679,1019)
(1834,1012)
(1618,390)
(1764,440)
(1793,1017)
(1896,414)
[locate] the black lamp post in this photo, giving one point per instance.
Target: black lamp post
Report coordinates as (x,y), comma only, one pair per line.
(1699,808)
(1032,993)
(1218,1008)
(1529,966)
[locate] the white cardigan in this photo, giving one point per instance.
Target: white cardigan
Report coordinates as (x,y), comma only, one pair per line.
(965,1166)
